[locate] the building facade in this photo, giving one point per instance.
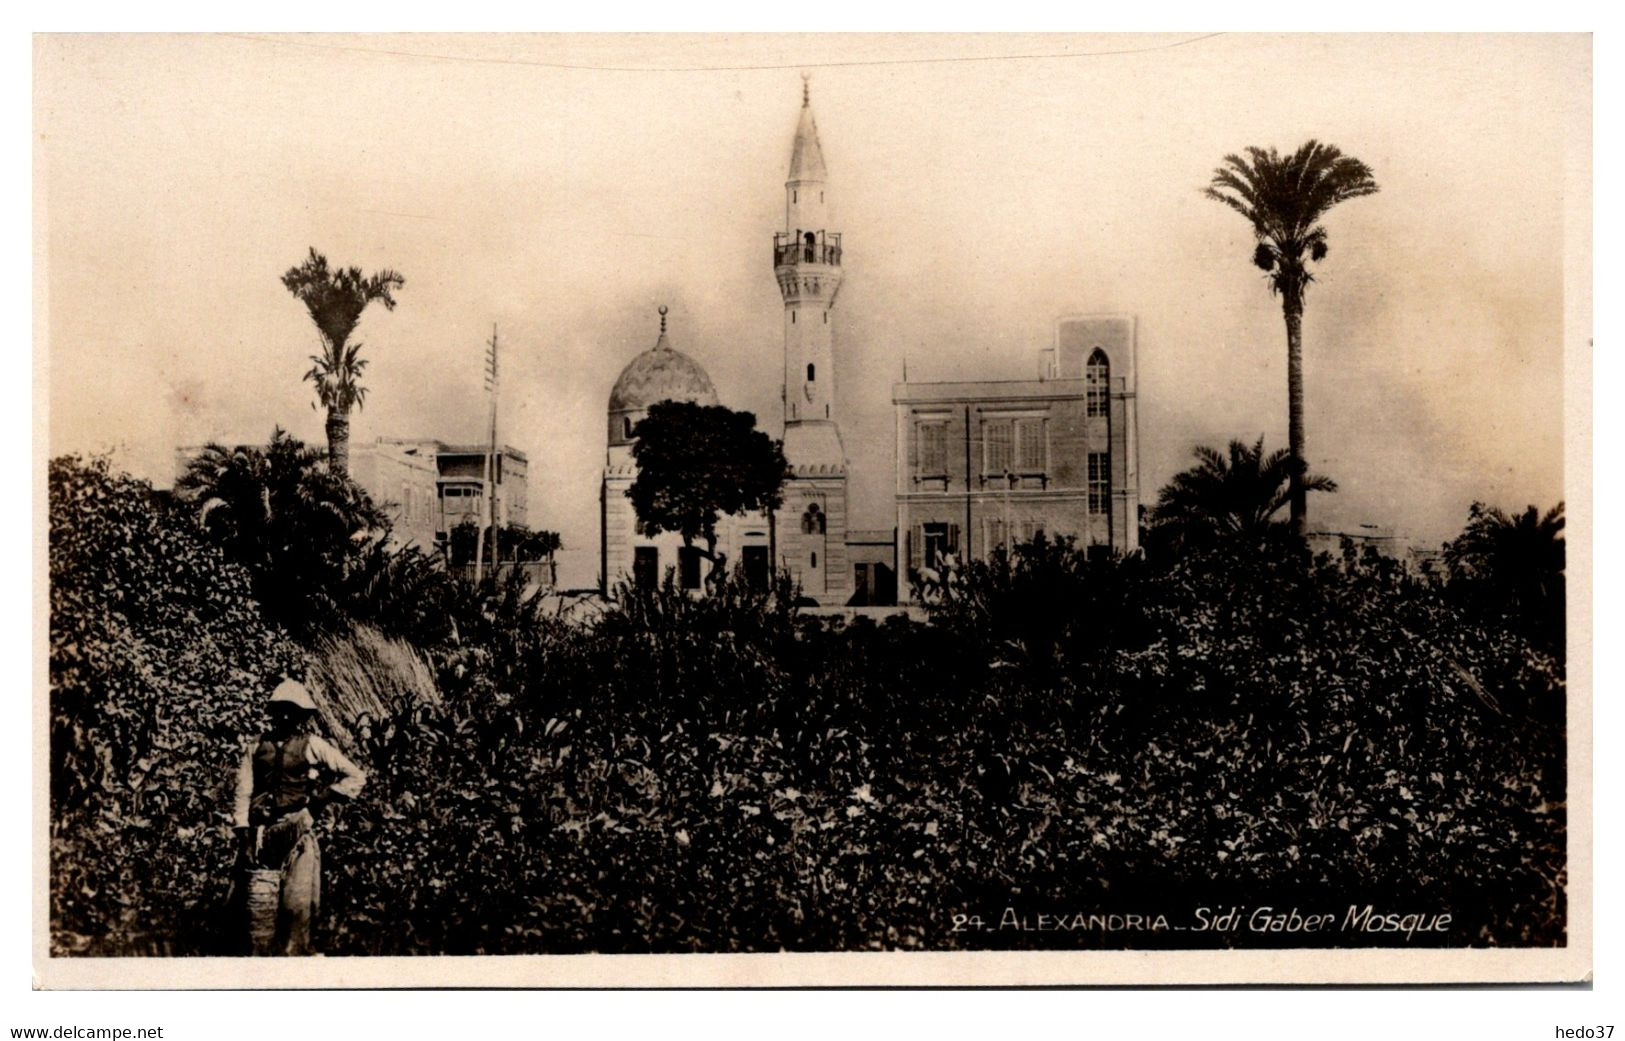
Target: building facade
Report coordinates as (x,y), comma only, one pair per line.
(993,463)
(427,487)
(402,477)
(462,486)
(627,554)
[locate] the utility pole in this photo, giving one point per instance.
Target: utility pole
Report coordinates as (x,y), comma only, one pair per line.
(489,521)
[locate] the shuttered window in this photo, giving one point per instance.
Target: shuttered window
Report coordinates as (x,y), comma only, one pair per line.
(1030,445)
(996,447)
(933,438)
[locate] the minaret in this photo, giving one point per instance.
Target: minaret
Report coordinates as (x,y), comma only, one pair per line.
(807,261)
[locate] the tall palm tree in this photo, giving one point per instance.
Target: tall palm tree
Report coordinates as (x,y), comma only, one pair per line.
(335,300)
(1226,495)
(1284,198)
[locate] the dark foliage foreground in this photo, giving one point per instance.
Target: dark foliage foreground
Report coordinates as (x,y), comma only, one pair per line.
(1066,737)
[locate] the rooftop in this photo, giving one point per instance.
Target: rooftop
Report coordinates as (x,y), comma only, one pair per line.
(986,390)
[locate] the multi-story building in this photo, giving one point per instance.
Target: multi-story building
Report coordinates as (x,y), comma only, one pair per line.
(403,478)
(990,463)
(462,485)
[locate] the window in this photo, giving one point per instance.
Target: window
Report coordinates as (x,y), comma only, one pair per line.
(933,442)
(996,447)
(1030,445)
(812,521)
(646,566)
(1100,481)
(688,567)
(811,373)
(993,535)
(815,560)
(755,561)
(626,427)
(1098,375)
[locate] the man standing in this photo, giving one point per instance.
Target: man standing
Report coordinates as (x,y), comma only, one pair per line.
(283,782)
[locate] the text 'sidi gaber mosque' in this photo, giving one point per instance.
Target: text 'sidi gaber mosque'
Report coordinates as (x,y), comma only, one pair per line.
(978,464)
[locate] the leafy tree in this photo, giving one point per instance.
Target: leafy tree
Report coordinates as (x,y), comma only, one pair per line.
(335,300)
(518,543)
(697,463)
(1514,563)
(1284,199)
(298,526)
(1226,496)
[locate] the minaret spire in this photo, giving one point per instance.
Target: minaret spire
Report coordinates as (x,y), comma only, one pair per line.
(807,262)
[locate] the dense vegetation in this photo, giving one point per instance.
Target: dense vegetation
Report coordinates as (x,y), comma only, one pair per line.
(1239,724)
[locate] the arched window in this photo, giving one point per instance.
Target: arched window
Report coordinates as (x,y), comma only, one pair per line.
(812,521)
(626,427)
(1098,375)
(811,373)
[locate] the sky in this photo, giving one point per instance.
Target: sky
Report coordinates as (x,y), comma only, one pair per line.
(561,188)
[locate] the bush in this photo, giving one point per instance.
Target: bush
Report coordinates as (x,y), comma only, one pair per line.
(1240,726)
(159,662)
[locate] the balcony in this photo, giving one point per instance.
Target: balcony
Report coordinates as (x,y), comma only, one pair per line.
(808,248)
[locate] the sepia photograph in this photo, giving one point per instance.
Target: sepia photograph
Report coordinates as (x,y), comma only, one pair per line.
(609,510)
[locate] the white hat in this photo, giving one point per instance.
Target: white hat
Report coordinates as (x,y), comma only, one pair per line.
(294,693)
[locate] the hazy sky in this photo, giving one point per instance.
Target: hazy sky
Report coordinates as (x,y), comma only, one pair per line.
(564,187)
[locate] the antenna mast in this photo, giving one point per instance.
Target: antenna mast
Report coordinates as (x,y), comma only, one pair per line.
(492,467)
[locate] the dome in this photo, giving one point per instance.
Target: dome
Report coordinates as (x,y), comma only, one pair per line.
(658,374)
(661,374)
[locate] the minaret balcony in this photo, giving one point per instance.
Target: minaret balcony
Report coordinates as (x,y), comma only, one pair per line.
(791,250)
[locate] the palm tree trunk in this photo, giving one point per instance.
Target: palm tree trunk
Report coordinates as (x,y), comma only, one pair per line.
(338,440)
(1292,308)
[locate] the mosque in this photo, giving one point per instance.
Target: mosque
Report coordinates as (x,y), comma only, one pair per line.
(1056,454)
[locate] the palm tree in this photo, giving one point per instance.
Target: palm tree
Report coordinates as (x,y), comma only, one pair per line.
(296,525)
(1234,495)
(335,300)
(1514,561)
(1284,198)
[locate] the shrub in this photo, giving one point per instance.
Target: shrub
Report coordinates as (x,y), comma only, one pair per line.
(1239,726)
(159,662)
